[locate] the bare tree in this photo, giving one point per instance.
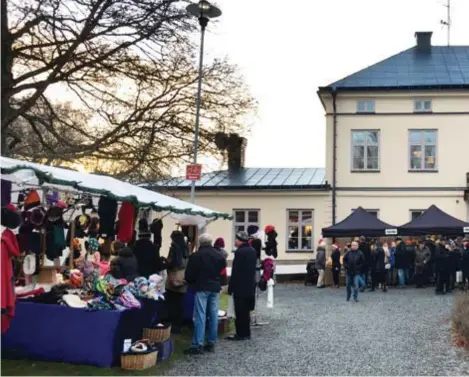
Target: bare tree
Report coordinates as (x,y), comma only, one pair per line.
(127,72)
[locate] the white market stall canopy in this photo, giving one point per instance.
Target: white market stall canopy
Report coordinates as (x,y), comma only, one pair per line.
(30,173)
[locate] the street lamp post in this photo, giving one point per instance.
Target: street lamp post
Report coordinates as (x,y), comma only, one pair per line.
(203,11)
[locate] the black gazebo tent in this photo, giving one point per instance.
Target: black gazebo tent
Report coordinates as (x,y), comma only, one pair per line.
(359,223)
(434,221)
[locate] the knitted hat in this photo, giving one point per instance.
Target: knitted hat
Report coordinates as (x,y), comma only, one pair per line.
(252,229)
(10,217)
(336,245)
(269,228)
(242,236)
(126,222)
(32,200)
(219,242)
(37,217)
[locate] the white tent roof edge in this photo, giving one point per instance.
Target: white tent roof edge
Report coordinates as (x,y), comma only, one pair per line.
(107,186)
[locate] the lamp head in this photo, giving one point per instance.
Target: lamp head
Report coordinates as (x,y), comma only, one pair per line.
(203,9)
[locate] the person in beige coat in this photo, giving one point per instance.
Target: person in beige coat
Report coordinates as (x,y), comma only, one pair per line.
(321,263)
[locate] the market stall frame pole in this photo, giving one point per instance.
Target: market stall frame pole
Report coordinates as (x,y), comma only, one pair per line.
(203,11)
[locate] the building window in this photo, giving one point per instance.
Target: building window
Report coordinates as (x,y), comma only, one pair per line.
(414,213)
(365,106)
(365,150)
(244,218)
(300,230)
(422,150)
(422,106)
(374,212)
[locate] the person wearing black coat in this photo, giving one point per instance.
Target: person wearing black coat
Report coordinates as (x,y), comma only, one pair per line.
(335,257)
(241,285)
(148,255)
(353,264)
(465,264)
(366,250)
(125,266)
(379,267)
(442,268)
(454,259)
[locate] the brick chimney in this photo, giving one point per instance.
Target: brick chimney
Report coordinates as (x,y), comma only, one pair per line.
(424,41)
(236,149)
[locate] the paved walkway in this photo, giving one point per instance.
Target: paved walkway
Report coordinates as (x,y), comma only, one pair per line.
(316,332)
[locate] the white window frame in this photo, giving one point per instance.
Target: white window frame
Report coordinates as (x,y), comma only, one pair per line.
(422,144)
(411,211)
(368,106)
(369,210)
(419,105)
(299,225)
(365,154)
(246,222)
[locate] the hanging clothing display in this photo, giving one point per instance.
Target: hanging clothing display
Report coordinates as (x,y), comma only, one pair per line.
(126,222)
(107,210)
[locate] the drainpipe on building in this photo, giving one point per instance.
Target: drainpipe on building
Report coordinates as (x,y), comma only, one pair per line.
(334,155)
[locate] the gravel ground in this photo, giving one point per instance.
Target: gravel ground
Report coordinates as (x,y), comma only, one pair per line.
(316,332)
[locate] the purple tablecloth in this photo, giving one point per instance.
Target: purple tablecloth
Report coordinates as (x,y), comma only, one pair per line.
(59,333)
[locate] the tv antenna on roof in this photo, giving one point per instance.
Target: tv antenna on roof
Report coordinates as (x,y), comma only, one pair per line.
(447,23)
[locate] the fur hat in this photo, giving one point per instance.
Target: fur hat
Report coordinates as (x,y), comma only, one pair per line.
(10,217)
(32,200)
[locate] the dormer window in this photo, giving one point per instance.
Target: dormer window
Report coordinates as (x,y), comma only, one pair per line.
(423,106)
(366,106)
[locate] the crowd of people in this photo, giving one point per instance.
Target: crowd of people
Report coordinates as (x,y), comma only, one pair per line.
(377,264)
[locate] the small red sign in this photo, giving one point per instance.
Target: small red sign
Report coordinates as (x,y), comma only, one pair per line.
(193,172)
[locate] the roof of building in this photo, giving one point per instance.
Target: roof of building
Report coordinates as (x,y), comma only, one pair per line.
(441,67)
(254,178)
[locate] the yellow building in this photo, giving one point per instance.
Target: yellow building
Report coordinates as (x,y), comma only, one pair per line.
(397,136)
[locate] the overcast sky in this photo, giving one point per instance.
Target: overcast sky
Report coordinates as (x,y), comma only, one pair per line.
(286,49)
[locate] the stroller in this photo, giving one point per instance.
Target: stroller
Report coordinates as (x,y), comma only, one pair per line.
(311,273)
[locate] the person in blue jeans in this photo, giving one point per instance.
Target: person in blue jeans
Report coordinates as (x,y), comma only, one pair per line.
(203,277)
(353,264)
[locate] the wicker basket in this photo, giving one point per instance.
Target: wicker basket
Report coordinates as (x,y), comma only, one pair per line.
(139,361)
(157,335)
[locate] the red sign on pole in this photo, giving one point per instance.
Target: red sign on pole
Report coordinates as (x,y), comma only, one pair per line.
(193,172)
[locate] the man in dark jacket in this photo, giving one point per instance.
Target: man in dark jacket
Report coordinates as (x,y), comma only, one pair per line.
(364,247)
(241,285)
(335,256)
(465,264)
(203,277)
(353,264)
(442,268)
(422,259)
(454,261)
